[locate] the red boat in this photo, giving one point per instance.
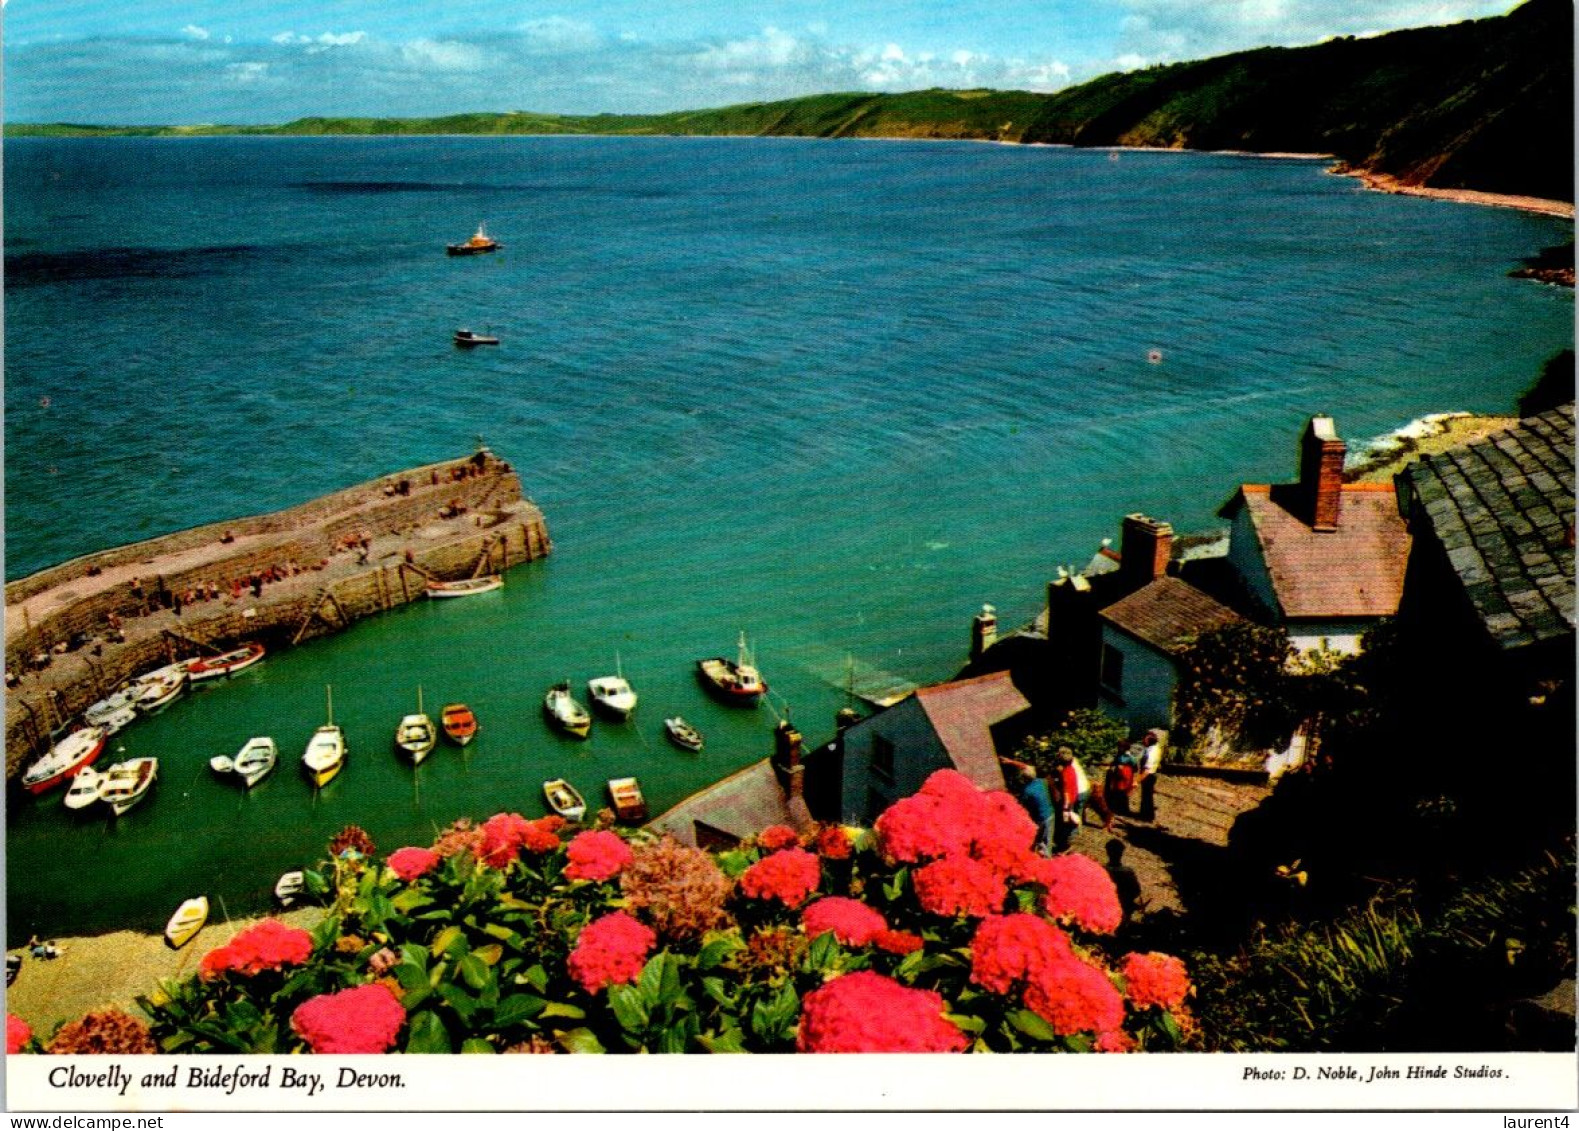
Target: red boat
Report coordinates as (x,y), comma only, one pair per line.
(734,681)
(228,664)
(70,754)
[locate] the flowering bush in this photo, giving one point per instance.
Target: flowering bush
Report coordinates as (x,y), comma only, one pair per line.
(833,843)
(17,1033)
(958,885)
(504,835)
(1010,949)
(1080,891)
(596,856)
(610,951)
(851,921)
(788,876)
(1155,979)
(409,863)
(270,945)
(359,1020)
(775,837)
(681,891)
(1074,997)
(108,1031)
(866,1012)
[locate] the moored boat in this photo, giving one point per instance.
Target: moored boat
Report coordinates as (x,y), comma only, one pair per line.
(84,789)
(116,721)
(734,681)
(682,733)
(228,663)
(629,804)
(469,338)
(187,921)
(289,887)
(468,588)
(460,725)
(563,799)
(256,759)
(612,695)
(222,764)
(127,783)
(479,244)
(564,712)
(325,753)
(415,735)
(78,749)
(161,688)
(113,707)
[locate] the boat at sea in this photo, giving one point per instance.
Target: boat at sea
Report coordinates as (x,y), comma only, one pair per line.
(563,799)
(734,681)
(127,783)
(612,694)
(629,804)
(226,664)
(187,921)
(114,707)
(415,736)
(84,790)
(460,725)
(256,760)
(564,712)
(325,753)
(161,688)
(479,244)
(469,338)
(289,887)
(682,733)
(467,588)
(78,749)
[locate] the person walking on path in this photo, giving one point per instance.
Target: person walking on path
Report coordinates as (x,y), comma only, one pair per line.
(1120,779)
(1038,803)
(1071,789)
(1150,766)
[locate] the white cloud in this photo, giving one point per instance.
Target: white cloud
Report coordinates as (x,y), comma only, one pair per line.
(321,42)
(559,33)
(192,31)
(443,55)
(246,74)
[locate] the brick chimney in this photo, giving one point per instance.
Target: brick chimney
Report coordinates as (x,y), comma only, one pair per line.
(1321,474)
(1144,550)
(786,759)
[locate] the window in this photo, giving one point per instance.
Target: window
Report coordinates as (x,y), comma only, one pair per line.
(882,758)
(1112,669)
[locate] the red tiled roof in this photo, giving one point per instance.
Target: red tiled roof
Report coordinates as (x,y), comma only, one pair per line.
(962,714)
(1168,613)
(1356,570)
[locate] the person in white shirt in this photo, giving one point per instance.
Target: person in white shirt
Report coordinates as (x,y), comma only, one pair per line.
(1150,766)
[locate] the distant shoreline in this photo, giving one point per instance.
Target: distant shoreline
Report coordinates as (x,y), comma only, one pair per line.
(1385,182)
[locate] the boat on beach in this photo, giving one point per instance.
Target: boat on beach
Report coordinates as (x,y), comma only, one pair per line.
(415,736)
(733,681)
(460,725)
(564,712)
(479,244)
(325,753)
(682,733)
(78,749)
(468,588)
(127,783)
(629,804)
(226,664)
(187,921)
(468,338)
(612,694)
(84,789)
(563,799)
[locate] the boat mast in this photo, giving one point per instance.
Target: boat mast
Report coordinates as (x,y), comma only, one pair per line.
(329,695)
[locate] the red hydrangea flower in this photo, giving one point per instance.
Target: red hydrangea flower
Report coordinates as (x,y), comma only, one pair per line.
(597,855)
(504,835)
(1003,836)
(775,837)
(958,885)
(923,827)
(898,942)
(1080,891)
(610,951)
(1115,1040)
(17,1033)
(788,876)
(1015,948)
(1155,979)
(409,863)
(364,1019)
(950,783)
(1074,997)
(851,921)
(268,946)
(866,1012)
(833,843)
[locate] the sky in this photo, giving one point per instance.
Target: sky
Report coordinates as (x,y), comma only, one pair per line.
(261,61)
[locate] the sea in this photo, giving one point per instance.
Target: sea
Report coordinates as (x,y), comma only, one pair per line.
(835,395)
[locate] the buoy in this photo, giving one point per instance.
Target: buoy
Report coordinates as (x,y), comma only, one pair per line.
(1154,356)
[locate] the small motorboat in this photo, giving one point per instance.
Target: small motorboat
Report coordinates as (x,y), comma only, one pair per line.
(325,753)
(127,783)
(612,695)
(289,888)
(78,749)
(415,735)
(563,799)
(468,588)
(255,760)
(460,725)
(629,805)
(84,789)
(113,707)
(479,244)
(229,663)
(564,712)
(116,721)
(160,689)
(468,338)
(187,921)
(682,733)
(734,681)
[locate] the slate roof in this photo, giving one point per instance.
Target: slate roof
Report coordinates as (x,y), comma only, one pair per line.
(962,714)
(1503,509)
(741,805)
(1356,570)
(1168,613)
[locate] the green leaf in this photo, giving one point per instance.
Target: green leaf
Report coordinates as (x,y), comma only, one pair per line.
(969,1022)
(427,1034)
(476,1045)
(896,886)
(1032,1025)
(517,1009)
(409,900)
(464,1005)
(411,977)
(677,1037)
(412,998)
(475,972)
(630,1010)
(730,1040)
(823,952)
(489,954)
(562,1009)
(650,984)
(580,1040)
(415,955)
(1170,1027)
(537,978)
(734,863)
(503,934)
(326,931)
(714,988)
(717,951)
(448,938)
(314,883)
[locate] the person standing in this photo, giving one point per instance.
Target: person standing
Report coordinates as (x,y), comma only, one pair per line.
(1070,802)
(1146,776)
(1038,803)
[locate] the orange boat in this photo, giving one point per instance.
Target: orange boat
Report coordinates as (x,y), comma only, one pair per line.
(479,244)
(460,725)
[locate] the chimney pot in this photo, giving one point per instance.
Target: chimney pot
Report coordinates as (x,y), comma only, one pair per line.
(1145,549)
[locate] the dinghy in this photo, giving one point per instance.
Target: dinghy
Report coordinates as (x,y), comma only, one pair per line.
(682,733)
(629,805)
(289,887)
(127,783)
(186,922)
(415,735)
(460,725)
(325,752)
(564,712)
(216,667)
(563,799)
(84,789)
(256,759)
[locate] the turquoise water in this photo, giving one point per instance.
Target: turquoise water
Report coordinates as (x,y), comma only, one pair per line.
(834,394)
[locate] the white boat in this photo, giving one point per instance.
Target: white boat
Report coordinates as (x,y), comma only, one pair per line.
(112,706)
(416,735)
(564,712)
(563,799)
(468,588)
(160,689)
(612,694)
(84,789)
(682,733)
(256,759)
(229,663)
(127,783)
(325,753)
(222,764)
(290,886)
(735,681)
(116,721)
(187,921)
(78,749)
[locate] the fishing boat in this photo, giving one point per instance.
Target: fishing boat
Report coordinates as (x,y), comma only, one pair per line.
(187,921)
(564,712)
(228,663)
(161,688)
(734,681)
(127,783)
(84,789)
(256,760)
(479,244)
(612,694)
(468,338)
(460,725)
(468,588)
(325,752)
(415,735)
(629,804)
(78,749)
(563,799)
(682,733)
(289,887)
